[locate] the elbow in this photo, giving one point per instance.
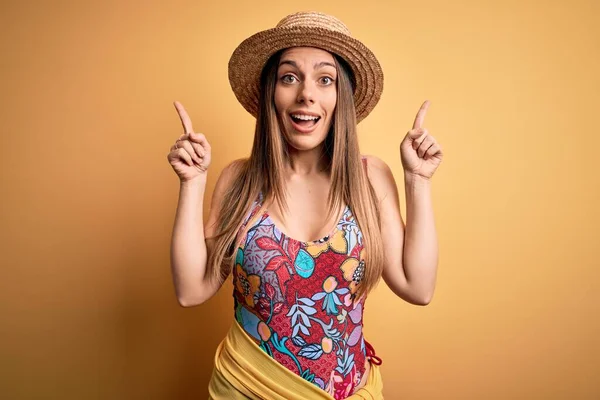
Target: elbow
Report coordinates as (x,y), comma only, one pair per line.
(412,297)
(422,294)
(185,302)
(190,301)
(195,295)
(424,300)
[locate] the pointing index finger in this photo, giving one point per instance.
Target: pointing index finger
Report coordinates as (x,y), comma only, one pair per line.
(421,115)
(185,118)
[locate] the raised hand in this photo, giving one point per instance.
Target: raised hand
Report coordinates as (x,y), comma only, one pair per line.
(190,155)
(419,151)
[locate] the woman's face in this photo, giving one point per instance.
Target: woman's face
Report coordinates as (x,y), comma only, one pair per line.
(305,95)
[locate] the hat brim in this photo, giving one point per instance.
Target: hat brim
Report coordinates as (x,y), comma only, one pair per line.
(249,58)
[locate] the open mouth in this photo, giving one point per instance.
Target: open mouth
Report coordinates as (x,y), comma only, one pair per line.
(304,121)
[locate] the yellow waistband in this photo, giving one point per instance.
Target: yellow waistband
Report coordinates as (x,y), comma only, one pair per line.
(244,371)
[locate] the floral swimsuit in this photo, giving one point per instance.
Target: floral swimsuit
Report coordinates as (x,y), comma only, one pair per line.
(296,300)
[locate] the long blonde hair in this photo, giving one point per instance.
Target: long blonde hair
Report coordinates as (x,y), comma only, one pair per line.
(262,172)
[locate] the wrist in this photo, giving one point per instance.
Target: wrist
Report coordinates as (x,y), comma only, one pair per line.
(199,180)
(412,178)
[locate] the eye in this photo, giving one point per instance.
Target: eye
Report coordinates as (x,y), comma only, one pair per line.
(327,80)
(285,80)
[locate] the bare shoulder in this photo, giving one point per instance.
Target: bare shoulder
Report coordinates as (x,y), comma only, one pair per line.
(234,167)
(380,175)
(229,173)
(226,178)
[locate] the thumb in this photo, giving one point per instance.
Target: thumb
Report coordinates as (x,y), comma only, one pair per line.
(411,136)
(414,134)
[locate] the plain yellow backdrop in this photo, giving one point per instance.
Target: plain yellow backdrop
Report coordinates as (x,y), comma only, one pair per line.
(87,305)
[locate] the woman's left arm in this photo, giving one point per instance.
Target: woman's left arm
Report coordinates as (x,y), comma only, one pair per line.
(411,251)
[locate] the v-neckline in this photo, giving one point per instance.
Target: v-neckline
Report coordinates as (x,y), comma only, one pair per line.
(324,239)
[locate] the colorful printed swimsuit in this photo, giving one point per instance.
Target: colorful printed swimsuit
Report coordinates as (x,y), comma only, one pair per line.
(295,299)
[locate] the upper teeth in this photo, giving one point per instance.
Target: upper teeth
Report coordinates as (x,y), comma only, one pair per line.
(304,117)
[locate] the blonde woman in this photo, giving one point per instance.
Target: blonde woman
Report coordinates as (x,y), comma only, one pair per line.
(305,225)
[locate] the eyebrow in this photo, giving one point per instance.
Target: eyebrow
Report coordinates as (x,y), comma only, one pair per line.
(316,66)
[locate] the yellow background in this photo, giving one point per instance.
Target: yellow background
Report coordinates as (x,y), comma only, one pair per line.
(87,303)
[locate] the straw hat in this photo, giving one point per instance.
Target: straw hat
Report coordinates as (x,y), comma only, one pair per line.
(310,29)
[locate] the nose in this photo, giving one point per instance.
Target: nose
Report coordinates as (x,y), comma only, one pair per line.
(306,93)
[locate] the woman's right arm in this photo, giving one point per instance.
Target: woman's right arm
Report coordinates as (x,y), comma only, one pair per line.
(190,157)
(189,250)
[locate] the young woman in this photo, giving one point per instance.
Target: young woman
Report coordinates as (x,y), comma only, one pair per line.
(305,225)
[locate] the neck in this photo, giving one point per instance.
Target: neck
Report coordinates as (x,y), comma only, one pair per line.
(307,162)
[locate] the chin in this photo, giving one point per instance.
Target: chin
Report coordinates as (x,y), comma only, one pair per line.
(304,141)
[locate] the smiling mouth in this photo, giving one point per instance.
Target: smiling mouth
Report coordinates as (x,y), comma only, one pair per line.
(305,123)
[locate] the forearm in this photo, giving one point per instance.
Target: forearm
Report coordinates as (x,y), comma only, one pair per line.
(420,257)
(188,246)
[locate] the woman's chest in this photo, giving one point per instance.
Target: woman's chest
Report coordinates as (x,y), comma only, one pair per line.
(334,261)
(306,216)
(306,220)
